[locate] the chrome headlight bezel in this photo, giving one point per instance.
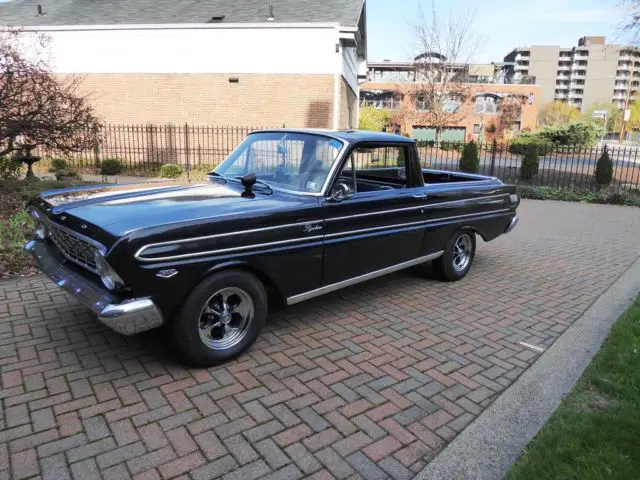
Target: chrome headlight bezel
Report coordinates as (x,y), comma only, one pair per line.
(41,229)
(108,275)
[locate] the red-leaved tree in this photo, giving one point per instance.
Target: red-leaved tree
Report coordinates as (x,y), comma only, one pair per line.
(36,107)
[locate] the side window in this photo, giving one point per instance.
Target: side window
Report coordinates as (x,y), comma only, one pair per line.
(375,168)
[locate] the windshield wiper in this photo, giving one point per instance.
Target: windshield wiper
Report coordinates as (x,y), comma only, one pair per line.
(220,176)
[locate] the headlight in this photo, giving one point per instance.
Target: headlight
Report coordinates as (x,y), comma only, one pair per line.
(108,275)
(41,230)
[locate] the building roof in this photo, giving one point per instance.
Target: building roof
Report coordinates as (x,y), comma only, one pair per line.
(113,12)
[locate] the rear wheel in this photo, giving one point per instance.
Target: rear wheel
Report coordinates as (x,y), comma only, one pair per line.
(221,318)
(458,256)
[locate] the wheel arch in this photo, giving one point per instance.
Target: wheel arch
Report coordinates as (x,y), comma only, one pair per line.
(272,288)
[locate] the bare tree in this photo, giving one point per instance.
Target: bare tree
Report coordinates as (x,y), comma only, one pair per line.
(37,108)
(441,70)
(630,23)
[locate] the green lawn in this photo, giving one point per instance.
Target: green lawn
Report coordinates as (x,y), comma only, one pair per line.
(595,433)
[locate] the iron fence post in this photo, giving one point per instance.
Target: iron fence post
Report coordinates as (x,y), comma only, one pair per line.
(494,148)
(186,148)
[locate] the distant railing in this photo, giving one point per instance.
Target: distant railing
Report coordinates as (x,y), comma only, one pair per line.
(388,104)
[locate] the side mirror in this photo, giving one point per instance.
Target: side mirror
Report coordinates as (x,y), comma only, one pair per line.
(339,192)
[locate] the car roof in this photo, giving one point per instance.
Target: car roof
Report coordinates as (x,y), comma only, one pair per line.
(351,136)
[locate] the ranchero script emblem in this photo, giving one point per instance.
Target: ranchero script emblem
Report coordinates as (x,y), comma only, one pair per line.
(312,227)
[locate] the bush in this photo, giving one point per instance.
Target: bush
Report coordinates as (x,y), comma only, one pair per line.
(375,119)
(9,168)
(68,174)
(469,160)
(520,145)
(604,169)
(577,194)
(458,146)
(58,164)
(529,167)
(111,166)
(170,170)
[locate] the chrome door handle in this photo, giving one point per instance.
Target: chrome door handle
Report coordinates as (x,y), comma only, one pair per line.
(420,196)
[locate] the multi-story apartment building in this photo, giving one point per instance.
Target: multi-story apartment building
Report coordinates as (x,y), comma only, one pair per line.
(389,83)
(591,72)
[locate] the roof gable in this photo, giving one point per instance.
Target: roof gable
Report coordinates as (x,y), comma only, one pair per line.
(113,12)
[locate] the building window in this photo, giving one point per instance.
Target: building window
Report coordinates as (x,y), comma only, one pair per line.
(486,104)
(476,129)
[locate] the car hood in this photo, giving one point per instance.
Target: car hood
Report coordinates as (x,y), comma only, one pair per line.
(120,209)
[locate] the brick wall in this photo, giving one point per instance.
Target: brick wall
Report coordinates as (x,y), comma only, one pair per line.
(210,99)
(528,116)
(348,106)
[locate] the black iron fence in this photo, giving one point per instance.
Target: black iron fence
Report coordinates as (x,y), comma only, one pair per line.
(560,166)
(142,149)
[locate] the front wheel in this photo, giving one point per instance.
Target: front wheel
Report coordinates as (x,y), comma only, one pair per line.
(458,256)
(221,318)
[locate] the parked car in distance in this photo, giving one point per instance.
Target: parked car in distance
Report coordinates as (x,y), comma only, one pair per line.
(290,214)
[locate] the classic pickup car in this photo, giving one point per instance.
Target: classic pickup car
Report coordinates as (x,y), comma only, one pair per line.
(289,215)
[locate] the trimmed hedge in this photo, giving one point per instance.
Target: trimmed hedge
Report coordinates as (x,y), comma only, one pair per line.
(469,160)
(521,145)
(530,164)
(604,169)
(111,166)
(170,170)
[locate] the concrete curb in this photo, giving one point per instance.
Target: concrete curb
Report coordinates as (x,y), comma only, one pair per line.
(492,443)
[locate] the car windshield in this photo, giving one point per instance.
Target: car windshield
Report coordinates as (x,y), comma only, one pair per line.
(299,162)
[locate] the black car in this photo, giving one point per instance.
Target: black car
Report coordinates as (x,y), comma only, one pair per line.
(290,214)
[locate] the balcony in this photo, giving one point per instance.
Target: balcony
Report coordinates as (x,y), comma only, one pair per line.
(619,96)
(564,68)
(562,87)
(622,77)
(573,94)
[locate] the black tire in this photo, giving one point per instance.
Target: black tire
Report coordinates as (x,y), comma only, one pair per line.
(448,266)
(186,327)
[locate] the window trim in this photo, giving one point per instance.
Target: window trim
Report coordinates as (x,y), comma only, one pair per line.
(410,161)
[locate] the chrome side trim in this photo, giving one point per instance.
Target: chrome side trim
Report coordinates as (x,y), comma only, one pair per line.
(421,222)
(221,235)
(225,250)
(418,207)
(361,278)
(312,238)
(265,229)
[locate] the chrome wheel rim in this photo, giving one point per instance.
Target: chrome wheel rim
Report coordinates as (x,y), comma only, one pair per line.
(225,318)
(462,252)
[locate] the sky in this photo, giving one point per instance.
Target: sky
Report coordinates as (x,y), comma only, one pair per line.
(500,25)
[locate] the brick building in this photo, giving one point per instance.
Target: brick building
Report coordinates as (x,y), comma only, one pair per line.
(223,62)
(388,83)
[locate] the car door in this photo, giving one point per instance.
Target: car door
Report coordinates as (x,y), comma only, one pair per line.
(378,224)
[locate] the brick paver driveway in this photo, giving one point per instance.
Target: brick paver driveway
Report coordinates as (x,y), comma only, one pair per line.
(370,382)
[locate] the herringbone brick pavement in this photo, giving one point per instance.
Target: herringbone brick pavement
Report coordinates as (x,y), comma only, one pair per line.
(370,382)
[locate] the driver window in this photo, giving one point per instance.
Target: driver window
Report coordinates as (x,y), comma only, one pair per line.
(375,169)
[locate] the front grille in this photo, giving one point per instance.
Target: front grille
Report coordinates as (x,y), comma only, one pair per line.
(73,247)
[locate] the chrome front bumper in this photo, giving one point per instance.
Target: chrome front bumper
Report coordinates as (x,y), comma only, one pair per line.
(127,317)
(512,224)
